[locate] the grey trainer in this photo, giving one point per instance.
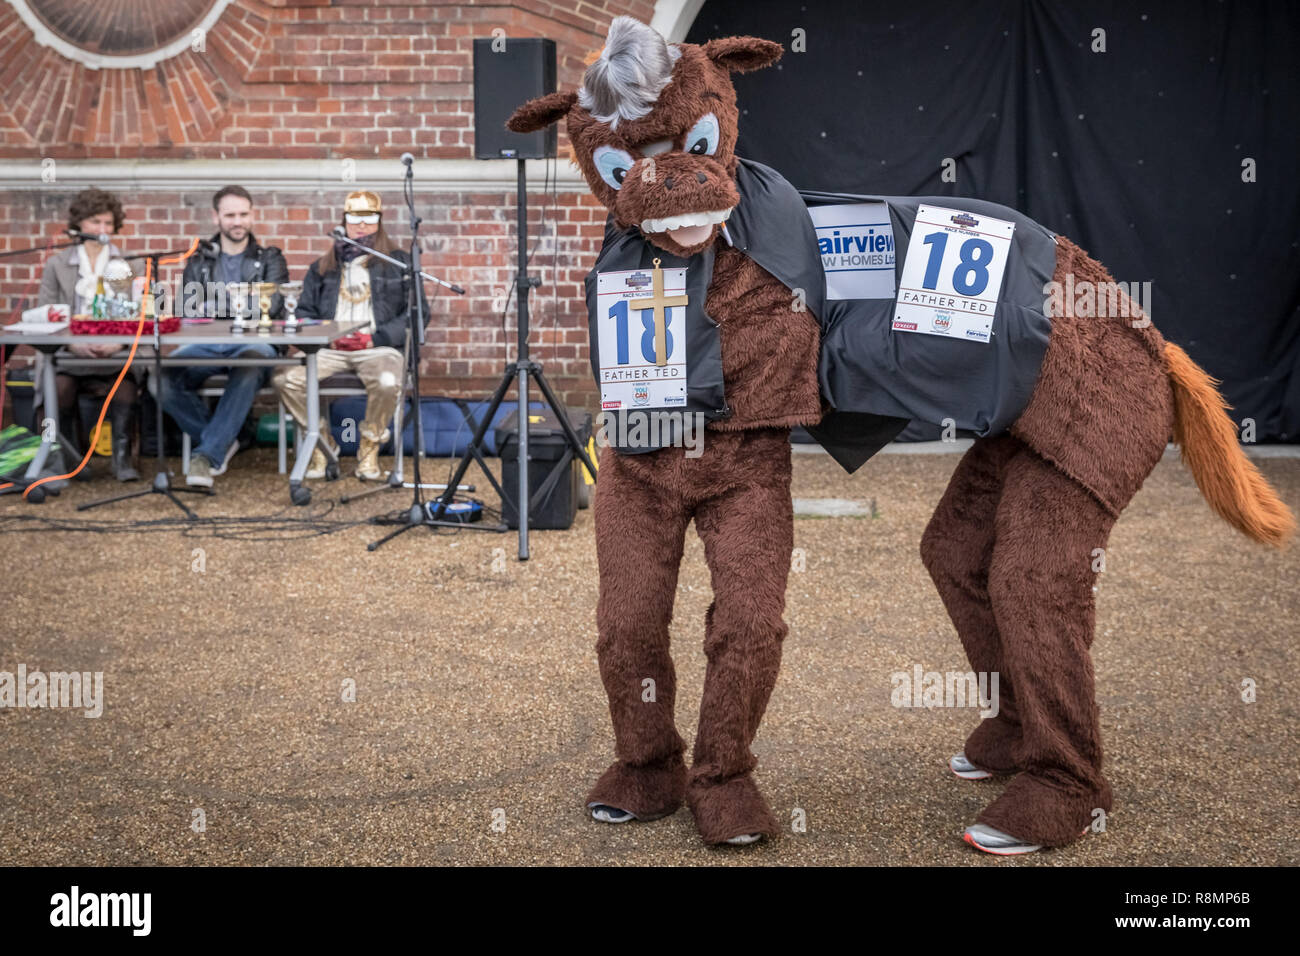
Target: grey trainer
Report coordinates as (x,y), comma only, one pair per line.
(995,841)
(963,768)
(200,475)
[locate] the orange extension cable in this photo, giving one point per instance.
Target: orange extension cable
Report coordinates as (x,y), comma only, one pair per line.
(135,343)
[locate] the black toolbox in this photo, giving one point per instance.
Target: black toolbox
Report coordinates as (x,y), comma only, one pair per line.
(554,472)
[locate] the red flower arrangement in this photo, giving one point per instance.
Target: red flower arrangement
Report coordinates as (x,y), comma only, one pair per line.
(121,326)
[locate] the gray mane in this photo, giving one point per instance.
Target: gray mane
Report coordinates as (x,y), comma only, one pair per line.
(634,67)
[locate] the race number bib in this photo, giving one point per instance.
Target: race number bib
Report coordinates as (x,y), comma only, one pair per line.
(642,337)
(952,274)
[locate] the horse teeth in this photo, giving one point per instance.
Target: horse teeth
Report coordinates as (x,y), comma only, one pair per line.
(685,219)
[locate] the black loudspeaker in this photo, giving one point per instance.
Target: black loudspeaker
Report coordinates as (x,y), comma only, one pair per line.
(507,73)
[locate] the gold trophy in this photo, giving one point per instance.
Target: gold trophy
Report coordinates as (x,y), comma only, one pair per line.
(290,291)
(264,292)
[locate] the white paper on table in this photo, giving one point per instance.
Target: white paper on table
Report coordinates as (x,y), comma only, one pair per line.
(37,328)
(47,313)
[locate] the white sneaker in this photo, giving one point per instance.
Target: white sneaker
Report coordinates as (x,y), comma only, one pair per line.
(231,452)
(963,768)
(996,842)
(608,814)
(316,467)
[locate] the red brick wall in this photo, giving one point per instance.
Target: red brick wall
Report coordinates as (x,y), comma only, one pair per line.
(295,79)
(468,238)
(313,79)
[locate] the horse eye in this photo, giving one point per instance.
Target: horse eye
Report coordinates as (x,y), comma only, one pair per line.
(619,175)
(701,146)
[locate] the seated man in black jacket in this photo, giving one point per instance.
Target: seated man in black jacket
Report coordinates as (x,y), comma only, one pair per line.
(231,256)
(348,285)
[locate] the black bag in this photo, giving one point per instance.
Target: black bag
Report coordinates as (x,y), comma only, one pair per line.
(554,473)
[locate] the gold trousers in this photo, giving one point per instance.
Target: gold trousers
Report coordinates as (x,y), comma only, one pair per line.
(380,371)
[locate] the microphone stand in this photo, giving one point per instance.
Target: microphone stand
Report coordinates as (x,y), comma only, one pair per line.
(161,481)
(46,248)
(417,515)
(518,371)
(414,334)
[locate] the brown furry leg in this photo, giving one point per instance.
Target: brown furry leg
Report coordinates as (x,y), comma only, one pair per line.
(1041,583)
(640,530)
(748,534)
(957,548)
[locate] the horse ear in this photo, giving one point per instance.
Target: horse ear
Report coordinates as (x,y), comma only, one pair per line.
(742,54)
(541,112)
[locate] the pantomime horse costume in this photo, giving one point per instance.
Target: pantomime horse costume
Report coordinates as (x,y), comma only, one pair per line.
(1072,411)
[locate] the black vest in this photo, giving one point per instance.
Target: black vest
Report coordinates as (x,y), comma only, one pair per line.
(875,379)
(771,226)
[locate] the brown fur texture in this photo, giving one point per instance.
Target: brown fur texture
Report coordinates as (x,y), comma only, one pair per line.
(1013,543)
(541,112)
(700,84)
(1011,546)
(737,491)
(1102,410)
(769,351)
(1010,549)
(739,496)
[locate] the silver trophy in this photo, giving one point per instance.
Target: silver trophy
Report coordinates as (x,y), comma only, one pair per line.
(118,277)
(291,291)
(238,295)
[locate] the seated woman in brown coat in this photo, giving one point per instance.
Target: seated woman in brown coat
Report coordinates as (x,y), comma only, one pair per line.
(71,278)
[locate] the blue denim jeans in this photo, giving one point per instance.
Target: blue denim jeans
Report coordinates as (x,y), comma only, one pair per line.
(214,431)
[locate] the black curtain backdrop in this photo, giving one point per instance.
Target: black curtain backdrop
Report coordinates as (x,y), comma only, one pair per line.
(1135,153)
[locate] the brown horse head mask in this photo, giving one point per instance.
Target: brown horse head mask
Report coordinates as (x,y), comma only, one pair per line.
(654,130)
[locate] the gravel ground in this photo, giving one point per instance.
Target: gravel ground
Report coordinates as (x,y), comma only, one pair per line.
(479,720)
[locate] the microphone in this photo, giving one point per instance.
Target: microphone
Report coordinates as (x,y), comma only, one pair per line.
(103,238)
(338,231)
(407,159)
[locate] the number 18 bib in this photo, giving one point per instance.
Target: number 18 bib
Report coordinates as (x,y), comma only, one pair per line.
(642,336)
(953,274)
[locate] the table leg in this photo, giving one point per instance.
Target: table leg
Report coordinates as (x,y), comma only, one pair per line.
(50,425)
(313,436)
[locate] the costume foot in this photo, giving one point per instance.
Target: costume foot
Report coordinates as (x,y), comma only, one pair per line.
(641,792)
(733,812)
(963,768)
(606,814)
(994,841)
(1001,844)
(992,747)
(1042,812)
